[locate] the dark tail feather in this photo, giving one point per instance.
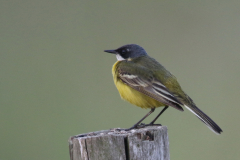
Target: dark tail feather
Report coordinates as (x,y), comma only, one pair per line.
(205,119)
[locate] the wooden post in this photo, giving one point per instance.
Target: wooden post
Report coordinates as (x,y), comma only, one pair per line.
(149,143)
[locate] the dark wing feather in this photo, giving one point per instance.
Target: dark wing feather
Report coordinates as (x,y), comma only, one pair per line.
(150,87)
(143,80)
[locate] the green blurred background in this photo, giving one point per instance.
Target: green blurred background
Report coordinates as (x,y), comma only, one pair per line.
(56,80)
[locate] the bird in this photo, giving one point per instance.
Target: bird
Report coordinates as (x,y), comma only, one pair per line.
(144,82)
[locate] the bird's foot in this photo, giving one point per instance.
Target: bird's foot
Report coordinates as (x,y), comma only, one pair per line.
(151,124)
(141,125)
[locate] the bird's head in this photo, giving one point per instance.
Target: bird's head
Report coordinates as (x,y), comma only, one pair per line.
(128,51)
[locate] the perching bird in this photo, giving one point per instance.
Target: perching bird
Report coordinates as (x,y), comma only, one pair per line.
(144,82)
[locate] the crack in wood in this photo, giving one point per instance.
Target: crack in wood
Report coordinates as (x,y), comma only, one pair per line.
(149,143)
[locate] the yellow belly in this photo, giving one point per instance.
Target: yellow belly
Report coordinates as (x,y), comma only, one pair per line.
(133,96)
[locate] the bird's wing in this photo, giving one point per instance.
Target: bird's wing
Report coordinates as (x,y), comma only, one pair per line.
(142,80)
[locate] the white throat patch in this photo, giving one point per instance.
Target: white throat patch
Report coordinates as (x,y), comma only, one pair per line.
(119,57)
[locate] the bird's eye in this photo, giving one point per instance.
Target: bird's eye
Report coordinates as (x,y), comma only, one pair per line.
(123,51)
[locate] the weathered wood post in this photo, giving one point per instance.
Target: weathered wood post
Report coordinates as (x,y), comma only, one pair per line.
(149,143)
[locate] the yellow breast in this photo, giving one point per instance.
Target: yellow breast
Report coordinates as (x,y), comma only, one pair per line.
(131,95)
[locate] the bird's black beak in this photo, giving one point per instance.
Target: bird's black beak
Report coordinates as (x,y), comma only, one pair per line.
(111,51)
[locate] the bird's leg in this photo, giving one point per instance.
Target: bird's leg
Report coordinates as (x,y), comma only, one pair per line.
(135,125)
(166,107)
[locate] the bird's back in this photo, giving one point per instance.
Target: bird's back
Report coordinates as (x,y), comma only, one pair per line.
(161,74)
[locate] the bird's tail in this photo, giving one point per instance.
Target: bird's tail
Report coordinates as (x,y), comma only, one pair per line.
(205,119)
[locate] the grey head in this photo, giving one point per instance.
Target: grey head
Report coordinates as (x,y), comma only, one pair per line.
(128,51)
